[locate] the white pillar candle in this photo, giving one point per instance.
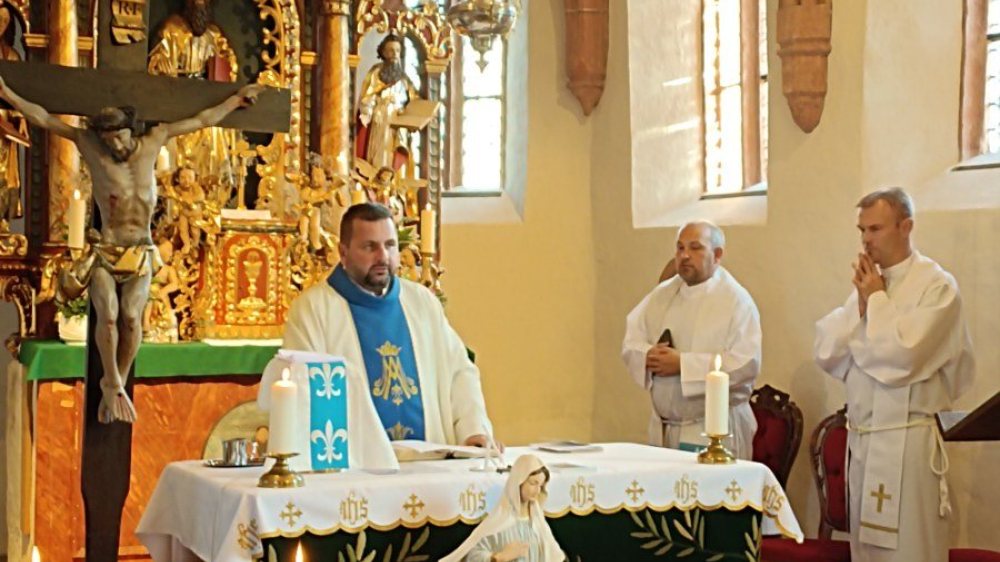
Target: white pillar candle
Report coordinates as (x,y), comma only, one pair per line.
(717,401)
(284,398)
(428,230)
(75,220)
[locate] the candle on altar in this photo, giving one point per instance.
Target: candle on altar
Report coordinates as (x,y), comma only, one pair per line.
(717,400)
(299,557)
(284,398)
(428,230)
(35,556)
(357,194)
(75,220)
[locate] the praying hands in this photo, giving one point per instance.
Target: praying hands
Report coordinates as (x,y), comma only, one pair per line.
(663,360)
(867,280)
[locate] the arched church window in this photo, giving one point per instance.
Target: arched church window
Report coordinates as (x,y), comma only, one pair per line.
(472,126)
(980,114)
(734,72)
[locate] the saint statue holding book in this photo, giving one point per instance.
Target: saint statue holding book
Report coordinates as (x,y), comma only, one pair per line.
(191,45)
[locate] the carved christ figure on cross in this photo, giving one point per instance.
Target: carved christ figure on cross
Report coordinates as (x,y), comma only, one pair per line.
(121,164)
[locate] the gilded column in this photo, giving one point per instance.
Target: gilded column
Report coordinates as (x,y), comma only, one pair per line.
(64,160)
(335,100)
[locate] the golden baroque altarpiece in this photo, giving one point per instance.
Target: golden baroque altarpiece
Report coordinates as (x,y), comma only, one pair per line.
(243,223)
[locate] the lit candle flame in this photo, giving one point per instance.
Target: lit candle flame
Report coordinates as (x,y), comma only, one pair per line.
(718,362)
(77,195)
(285,375)
(35,556)
(299,557)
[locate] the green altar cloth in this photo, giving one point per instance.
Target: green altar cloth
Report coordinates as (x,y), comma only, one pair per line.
(53,360)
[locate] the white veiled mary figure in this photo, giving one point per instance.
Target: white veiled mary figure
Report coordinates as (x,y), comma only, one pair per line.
(516,528)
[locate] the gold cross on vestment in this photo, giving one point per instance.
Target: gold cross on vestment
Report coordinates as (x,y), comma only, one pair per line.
(414,506)
(635,491)
(291,514)
(734,490)
(880,495)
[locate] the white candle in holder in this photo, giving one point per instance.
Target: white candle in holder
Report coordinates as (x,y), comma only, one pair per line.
(76,218)
(428,230)
(284,398)
(717,401)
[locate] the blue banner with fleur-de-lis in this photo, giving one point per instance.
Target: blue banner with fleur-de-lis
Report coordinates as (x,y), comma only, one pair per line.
(328,414)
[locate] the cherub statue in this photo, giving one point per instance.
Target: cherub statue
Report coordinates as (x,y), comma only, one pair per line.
(317,191)
(190,198)
(159,323)
(385,186)
(516,528)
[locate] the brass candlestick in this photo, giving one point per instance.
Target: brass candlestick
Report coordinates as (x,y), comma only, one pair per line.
(716,453)
(281,475)
(426,271)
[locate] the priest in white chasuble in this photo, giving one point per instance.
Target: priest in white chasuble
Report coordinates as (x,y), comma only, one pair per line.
(901,347)
(674,334)
(419,375)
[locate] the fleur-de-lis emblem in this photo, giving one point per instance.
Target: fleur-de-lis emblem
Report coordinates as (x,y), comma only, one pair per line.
(328,373)
(329,439)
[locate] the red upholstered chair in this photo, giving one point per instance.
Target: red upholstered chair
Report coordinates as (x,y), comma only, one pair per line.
(779,430)
(972,555)
(827,451)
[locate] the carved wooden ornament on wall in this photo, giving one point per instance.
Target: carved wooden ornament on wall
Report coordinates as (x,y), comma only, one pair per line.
(804,28)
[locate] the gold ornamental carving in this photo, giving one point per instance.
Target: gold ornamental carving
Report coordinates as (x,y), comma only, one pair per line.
(127,24)
(804,31)
(336,8)
(425,23)
(246,290)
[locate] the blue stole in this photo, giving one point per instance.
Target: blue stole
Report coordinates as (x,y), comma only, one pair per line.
(387,349)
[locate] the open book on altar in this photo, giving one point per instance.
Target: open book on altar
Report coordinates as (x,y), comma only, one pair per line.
(415,450)
(416,115)
(336,424)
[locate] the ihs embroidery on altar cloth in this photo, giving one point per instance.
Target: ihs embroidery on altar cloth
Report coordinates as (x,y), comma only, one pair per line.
(393,380)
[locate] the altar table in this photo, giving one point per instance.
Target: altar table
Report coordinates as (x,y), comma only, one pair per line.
(626,502)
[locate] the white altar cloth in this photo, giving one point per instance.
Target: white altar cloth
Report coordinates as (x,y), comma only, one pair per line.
(221,515)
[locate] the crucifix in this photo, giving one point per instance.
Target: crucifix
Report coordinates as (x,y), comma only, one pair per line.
(121,159)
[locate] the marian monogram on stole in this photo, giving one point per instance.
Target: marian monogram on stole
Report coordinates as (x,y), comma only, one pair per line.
(394,385)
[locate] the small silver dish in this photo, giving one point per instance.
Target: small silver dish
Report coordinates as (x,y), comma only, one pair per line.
(220,463)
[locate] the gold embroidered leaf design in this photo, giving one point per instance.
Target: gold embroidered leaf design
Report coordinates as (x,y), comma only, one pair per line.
(272,556)
(665,528)
(421,539)
(715,557)
(686,552)
(684,532)
(388,555)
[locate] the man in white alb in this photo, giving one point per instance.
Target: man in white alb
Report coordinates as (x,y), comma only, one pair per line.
(707,313)
(901,347)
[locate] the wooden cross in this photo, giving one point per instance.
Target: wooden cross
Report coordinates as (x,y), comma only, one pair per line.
(635,491)
(880,495)
(734,490)
(291,514)
(121,79)
(414,506)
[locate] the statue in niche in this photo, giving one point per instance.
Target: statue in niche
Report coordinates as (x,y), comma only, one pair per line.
(13,134)
(191,45)
(384,93)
